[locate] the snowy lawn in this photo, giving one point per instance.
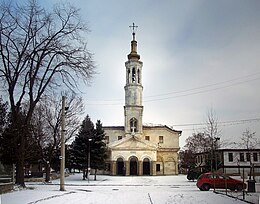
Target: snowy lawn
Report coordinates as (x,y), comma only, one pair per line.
(115,190)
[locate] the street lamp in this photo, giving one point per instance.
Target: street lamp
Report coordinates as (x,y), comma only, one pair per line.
(89,140)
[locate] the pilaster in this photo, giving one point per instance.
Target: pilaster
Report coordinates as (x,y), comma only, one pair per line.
(140,168)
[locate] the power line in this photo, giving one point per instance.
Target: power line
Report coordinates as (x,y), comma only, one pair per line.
(209,85)
(221,124)
(121,101)
(199,92)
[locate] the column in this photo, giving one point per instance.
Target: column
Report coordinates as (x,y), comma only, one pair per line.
(140,168)
(154,168)
(127,168)
(113,168)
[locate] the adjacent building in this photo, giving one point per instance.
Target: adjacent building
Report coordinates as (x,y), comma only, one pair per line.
(232,161)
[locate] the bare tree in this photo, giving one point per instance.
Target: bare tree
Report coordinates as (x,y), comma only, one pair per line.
(213,132)
(249,141)
(47,122)
(212,129)
(40,51)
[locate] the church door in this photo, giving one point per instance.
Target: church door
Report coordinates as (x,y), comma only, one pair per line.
(120,166)
(146,167)
(133,166)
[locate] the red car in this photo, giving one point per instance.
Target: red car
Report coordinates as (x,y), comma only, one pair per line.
(210,180)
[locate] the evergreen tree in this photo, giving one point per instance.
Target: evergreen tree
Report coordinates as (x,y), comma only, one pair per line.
(98,149)
(81,145)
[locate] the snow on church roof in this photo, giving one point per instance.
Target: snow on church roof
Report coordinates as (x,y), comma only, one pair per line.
(161,126)
(146,125)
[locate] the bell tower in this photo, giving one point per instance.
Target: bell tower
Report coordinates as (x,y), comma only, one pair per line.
(133,108)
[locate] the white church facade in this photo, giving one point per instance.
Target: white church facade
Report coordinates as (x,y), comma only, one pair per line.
(136,149)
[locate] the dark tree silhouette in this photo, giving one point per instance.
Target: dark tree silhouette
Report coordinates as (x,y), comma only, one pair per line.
(40,51)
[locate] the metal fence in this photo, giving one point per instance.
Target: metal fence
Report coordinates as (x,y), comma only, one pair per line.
(7,173)
(248,194)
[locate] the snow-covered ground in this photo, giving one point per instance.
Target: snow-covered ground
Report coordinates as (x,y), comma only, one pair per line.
(115,190)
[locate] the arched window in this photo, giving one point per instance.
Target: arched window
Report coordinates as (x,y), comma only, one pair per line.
(138,76)
(133,125)
(133,76)
(120,166)
(146,166)
(129,75)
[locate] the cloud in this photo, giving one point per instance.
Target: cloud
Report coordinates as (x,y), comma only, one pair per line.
(184,45)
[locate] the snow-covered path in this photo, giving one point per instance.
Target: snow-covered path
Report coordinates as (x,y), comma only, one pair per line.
(117,190)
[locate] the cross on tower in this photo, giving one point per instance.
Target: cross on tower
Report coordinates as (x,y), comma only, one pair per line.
(133,27)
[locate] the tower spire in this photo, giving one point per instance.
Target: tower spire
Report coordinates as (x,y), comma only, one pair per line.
(133,54)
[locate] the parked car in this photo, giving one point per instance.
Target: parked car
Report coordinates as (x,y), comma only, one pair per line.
(219,181)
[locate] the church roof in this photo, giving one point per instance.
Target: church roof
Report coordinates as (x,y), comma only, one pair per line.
(149,126)
(114,127)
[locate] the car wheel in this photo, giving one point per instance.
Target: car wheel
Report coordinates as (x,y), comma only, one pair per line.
(239,187)
(206,187)
(201,189)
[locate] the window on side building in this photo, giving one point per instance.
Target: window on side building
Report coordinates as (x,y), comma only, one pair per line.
(147,138)
(160,139)
(158,167)
(230,157)
(119,137)
(248,155)
(255,157)
(241,156)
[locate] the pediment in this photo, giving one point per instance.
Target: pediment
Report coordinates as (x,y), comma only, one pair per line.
(133,143)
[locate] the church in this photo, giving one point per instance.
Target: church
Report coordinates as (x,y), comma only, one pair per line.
(137,149)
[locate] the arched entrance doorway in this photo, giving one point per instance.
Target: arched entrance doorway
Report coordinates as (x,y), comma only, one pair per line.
(146,166)
(120,166)
(133,166)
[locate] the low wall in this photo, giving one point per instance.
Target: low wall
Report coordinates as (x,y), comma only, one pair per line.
(6,187)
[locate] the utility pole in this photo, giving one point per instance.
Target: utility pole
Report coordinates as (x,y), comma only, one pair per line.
(62,157)
(216,152)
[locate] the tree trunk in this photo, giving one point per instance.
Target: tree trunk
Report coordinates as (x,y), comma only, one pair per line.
(47,171)
(95,178)
(20,161)
(84,174)
(20,173)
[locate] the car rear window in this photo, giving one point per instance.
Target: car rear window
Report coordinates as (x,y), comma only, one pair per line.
(203,176)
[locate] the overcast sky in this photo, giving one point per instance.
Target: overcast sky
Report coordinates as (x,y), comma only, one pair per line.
(197,55)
